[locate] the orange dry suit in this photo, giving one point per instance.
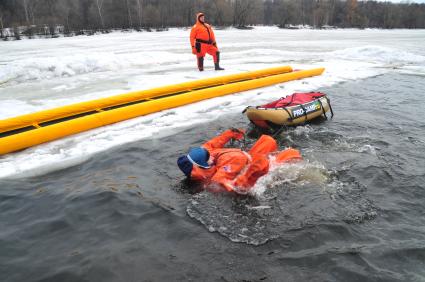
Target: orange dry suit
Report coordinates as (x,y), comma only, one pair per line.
(202,40)
(233,167)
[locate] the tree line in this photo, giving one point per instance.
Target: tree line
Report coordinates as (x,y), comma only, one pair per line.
(103,15)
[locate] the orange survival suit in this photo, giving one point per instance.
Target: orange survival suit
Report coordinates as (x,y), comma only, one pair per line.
(202,40)
(233,168)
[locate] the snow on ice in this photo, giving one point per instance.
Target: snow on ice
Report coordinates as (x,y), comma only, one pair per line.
(40,74)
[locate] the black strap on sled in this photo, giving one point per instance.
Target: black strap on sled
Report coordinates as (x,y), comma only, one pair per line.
(283,126)
(305,112)
(330,107)
(323,109)
(291,118)
(280,130)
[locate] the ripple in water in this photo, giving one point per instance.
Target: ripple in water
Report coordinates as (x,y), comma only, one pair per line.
(290,197)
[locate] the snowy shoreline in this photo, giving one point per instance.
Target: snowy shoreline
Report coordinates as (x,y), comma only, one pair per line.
(9,35)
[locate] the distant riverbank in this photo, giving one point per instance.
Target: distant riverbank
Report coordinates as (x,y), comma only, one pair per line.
(46,32)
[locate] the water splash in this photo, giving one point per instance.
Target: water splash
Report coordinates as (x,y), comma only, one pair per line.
(295,173)
(290,197)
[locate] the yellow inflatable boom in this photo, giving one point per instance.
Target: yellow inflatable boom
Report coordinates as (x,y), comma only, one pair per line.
(36,119)
(54,131)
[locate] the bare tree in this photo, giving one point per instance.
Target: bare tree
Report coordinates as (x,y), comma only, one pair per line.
(321,13)
(84,13)
(268,12)
(25,5)
(329,18)
(99,4)
(91,14)
(351,6)
(140,12)
(130,22)
(66,8)
(1,25)
(151,16)
(32,6)
(242,10)
(188,12)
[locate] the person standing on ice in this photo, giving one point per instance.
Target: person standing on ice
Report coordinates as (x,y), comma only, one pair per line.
(231,168)
(202,40)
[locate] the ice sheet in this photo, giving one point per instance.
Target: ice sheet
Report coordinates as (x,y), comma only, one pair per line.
(40,74)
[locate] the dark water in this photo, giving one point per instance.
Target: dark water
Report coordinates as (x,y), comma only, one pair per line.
(353,211)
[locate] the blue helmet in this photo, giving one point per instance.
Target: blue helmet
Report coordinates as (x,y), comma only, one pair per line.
(197,156)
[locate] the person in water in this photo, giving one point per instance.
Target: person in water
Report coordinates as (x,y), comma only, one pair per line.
(231,168)
(202,40)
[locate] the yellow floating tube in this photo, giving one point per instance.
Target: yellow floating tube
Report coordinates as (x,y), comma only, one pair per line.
(35,119)
(48,133)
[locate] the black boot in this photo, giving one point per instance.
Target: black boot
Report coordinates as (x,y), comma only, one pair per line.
(201,63)
(217,65)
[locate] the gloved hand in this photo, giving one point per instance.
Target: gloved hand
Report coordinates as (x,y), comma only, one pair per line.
(238,134)
(194,52)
